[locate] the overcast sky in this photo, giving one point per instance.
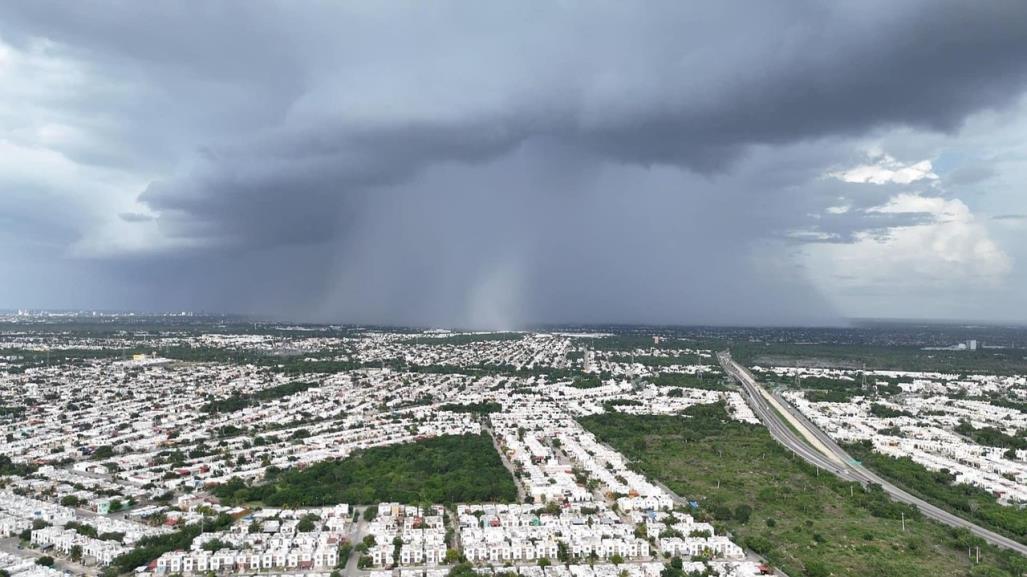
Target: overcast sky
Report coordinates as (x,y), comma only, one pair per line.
(493,164)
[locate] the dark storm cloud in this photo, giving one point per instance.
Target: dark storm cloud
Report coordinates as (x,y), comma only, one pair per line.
(296,186)
(500,163)
(925,67)
(907,68)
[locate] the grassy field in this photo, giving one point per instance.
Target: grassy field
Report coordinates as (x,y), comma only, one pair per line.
(448,469)
(804,523)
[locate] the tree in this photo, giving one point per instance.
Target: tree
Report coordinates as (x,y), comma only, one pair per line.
(673,569)
(69,501)
(759,544)
(742,513)
(616,559)
(75,553)
(562,552)
(307,523)
(370,513)
(345,550)
(544,562)
(462,570)
(722,513)
(214,545)
(452,556)
(817,569)
(45,561)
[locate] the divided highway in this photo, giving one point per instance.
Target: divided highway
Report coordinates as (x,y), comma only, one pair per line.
(799,435)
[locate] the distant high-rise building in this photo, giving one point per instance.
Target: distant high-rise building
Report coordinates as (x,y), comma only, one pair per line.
(971,344)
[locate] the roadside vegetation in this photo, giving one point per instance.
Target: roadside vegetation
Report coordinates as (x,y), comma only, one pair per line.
(939,488)
(805,522)
(447,469)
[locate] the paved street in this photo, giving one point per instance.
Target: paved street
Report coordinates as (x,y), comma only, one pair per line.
(62,563)
(355,536)
(521,494)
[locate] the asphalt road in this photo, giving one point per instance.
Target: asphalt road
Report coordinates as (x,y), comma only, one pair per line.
(816,447)
(522,495)
(356,535)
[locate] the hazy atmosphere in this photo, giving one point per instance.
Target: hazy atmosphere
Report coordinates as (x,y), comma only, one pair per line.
(500,164)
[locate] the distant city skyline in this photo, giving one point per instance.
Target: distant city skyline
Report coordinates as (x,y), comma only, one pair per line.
(854,322)
(505,165)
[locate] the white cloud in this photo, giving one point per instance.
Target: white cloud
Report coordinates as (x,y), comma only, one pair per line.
(952,248)
(886,170)
(812,235)
(940,208)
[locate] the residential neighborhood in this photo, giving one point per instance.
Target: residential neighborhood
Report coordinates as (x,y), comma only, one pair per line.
(196,453)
